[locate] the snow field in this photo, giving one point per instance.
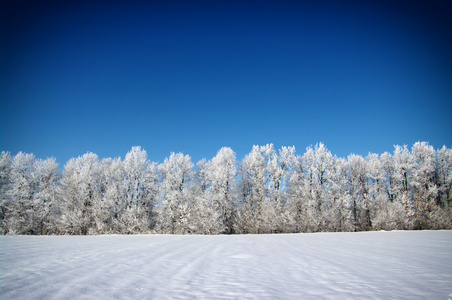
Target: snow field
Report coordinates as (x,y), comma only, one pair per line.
(367,265)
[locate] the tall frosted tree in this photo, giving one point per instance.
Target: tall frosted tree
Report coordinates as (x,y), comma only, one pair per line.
(254,179)
(384,210)
(176,201)
(444,180)
(310,217)
(79,192)
(309,188)
(387,165)
(338,216)
(5,185)
(323,170)
(112,204)
(221,174)
(296,190)
(359,191)
(423,185)
(278,169)
(20,214)
(139,191)
(403,168)
(29,188)
(207,216)
(45,176)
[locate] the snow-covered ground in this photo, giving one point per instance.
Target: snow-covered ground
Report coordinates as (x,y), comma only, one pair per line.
(368,265)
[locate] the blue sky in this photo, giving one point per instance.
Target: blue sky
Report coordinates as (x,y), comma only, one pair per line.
(193,76)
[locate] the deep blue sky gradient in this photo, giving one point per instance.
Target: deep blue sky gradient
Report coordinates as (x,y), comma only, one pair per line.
(193,76)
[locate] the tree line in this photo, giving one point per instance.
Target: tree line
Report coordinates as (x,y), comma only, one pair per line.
(269,191)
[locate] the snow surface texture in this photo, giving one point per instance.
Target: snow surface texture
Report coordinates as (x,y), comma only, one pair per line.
(368,265)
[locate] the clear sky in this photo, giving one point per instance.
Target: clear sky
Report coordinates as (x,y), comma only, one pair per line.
(193,76)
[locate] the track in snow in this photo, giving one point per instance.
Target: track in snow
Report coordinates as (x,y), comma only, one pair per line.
(368,265)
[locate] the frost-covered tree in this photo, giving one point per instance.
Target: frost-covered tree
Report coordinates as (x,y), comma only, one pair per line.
(359,191)
(403,167)
(5,184)
(19,216)
(139,191)
(207,215)
(310,188)
(322,169)
(378,197)
(338,216)
(387,164)
(29,194)
(423,184)
(79,192)
(221,174)
(444,182)
(279,171)
(109,208)
(45,176)
(253,186)
(384,210)
(176,201)
(302,202)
